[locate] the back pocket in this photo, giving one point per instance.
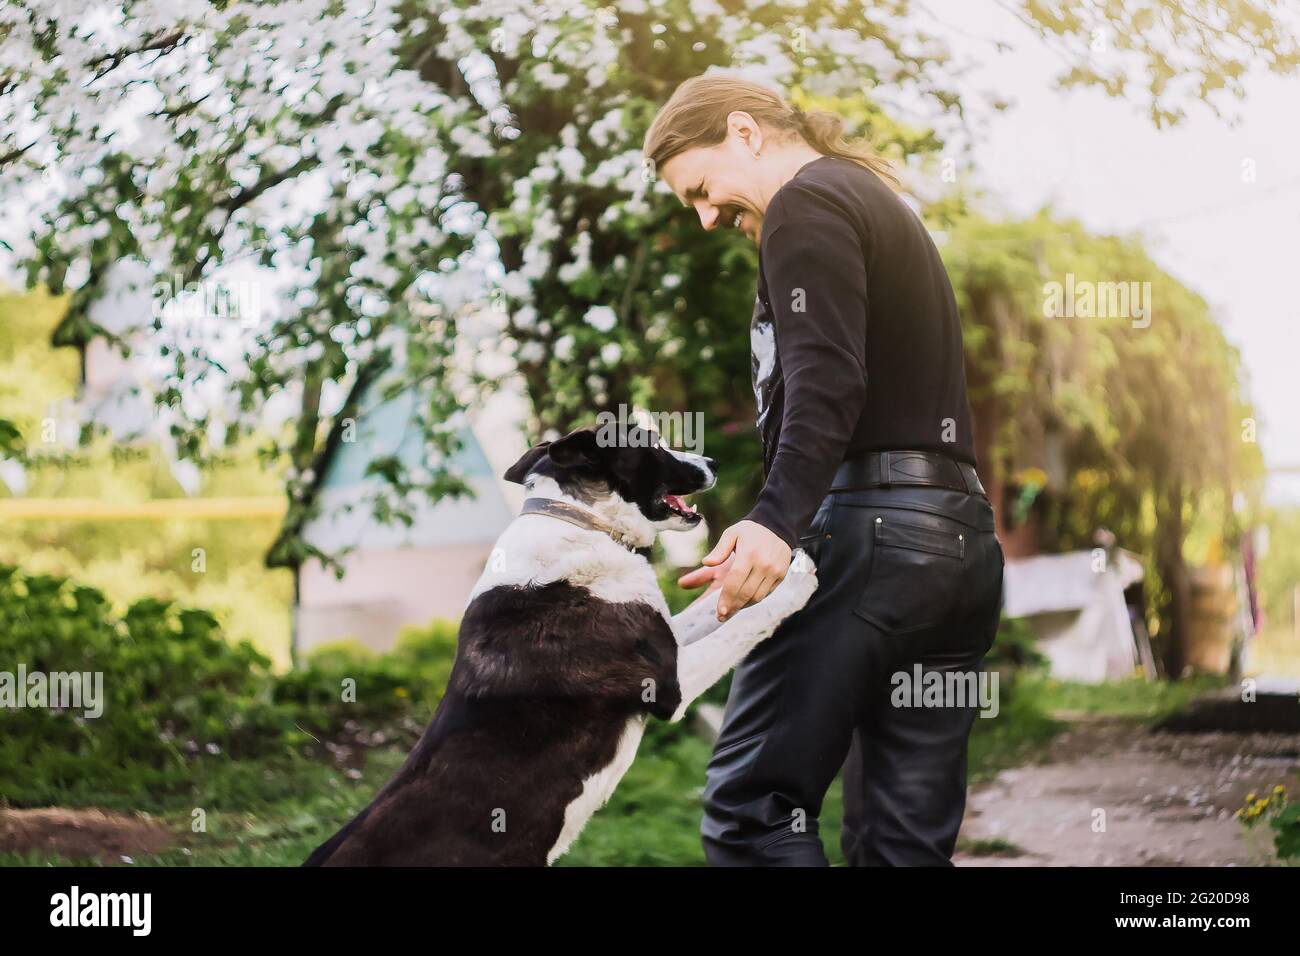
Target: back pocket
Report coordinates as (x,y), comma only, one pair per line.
(818,533)
(915,576)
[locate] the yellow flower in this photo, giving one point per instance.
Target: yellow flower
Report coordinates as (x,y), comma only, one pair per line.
(1030,476)
(401,692)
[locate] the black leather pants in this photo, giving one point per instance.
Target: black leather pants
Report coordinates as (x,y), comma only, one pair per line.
(908,576)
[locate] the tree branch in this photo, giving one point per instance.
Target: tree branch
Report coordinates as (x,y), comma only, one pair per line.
(162,44)
(237,202)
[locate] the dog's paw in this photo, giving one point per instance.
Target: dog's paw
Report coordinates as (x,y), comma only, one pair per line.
(801,562)
(799,583)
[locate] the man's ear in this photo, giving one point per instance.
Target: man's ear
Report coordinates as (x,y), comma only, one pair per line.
(576,449)
(520,469)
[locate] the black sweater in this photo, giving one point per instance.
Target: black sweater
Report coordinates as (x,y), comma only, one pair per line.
(856,344)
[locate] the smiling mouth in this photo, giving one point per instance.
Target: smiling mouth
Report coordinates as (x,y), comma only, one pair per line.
(679,507)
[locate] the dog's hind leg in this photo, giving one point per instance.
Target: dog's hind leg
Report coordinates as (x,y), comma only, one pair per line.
(704,661)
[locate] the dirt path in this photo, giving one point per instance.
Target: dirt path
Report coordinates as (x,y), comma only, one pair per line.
(1168,798)
(79,834)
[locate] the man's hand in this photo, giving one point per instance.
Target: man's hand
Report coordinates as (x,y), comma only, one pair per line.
(747,563)
(712,576)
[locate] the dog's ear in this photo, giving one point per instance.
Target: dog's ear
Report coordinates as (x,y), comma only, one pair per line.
(576,449)
(520,469)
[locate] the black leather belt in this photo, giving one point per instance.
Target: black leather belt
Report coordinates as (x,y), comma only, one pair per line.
(880,469)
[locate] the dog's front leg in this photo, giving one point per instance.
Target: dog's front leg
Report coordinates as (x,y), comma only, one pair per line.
(697,620)
(702,663)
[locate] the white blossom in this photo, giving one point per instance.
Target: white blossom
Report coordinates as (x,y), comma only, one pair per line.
(601,318)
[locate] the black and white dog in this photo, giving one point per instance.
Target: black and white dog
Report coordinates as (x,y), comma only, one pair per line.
(565,648)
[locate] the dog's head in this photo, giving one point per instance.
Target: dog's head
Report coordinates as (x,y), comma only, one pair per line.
(631,475)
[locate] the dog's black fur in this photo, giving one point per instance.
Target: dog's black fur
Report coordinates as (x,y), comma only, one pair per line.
(545,682)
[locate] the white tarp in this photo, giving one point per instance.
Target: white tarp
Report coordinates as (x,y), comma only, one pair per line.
(1074,603)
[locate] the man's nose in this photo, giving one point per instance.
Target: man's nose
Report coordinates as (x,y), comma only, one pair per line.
(708,216)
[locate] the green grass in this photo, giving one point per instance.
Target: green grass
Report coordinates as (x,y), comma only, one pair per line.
(298,807)
(1127,698)
(994,846)
(653,819)
(1021,733)
(274,811)
(1032,714)
(257,813)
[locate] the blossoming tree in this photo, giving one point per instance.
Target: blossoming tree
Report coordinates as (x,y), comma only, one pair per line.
(429,190)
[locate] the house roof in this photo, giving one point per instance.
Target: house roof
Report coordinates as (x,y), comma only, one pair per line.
(388,427)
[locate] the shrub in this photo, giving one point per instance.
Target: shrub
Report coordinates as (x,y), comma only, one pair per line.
(1015,647)
(170,683)
(177,694)
(405,683)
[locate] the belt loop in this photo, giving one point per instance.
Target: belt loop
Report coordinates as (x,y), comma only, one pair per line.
(884,469)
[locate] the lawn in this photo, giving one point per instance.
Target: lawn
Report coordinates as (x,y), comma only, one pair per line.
(245,764)
(273,811)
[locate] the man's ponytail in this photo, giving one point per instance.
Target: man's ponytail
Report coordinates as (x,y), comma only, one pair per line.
(824,132)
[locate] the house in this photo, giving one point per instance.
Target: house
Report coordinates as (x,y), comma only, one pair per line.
(397,575)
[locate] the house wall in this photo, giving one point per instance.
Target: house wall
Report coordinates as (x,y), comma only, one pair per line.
(106,369)
(384,591)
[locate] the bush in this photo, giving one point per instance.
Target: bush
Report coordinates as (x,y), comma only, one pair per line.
(407,682)
(170,683)
(1015,647)
(176,695)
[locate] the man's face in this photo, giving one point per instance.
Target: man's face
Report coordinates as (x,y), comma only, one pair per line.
(722,183)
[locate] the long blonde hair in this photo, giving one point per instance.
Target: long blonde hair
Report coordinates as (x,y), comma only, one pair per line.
(696,115)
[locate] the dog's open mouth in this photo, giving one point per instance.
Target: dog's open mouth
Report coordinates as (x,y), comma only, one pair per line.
(680,507)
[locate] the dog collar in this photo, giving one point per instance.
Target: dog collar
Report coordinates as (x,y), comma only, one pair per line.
(577,516)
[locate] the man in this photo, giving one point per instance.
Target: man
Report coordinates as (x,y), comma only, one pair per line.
(868,465)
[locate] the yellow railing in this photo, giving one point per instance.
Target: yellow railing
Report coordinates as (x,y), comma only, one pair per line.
(158,509)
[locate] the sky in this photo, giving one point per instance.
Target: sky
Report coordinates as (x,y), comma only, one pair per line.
(1102,161)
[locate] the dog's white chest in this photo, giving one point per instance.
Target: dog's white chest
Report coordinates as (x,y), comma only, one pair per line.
(536,550)
(597,788)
